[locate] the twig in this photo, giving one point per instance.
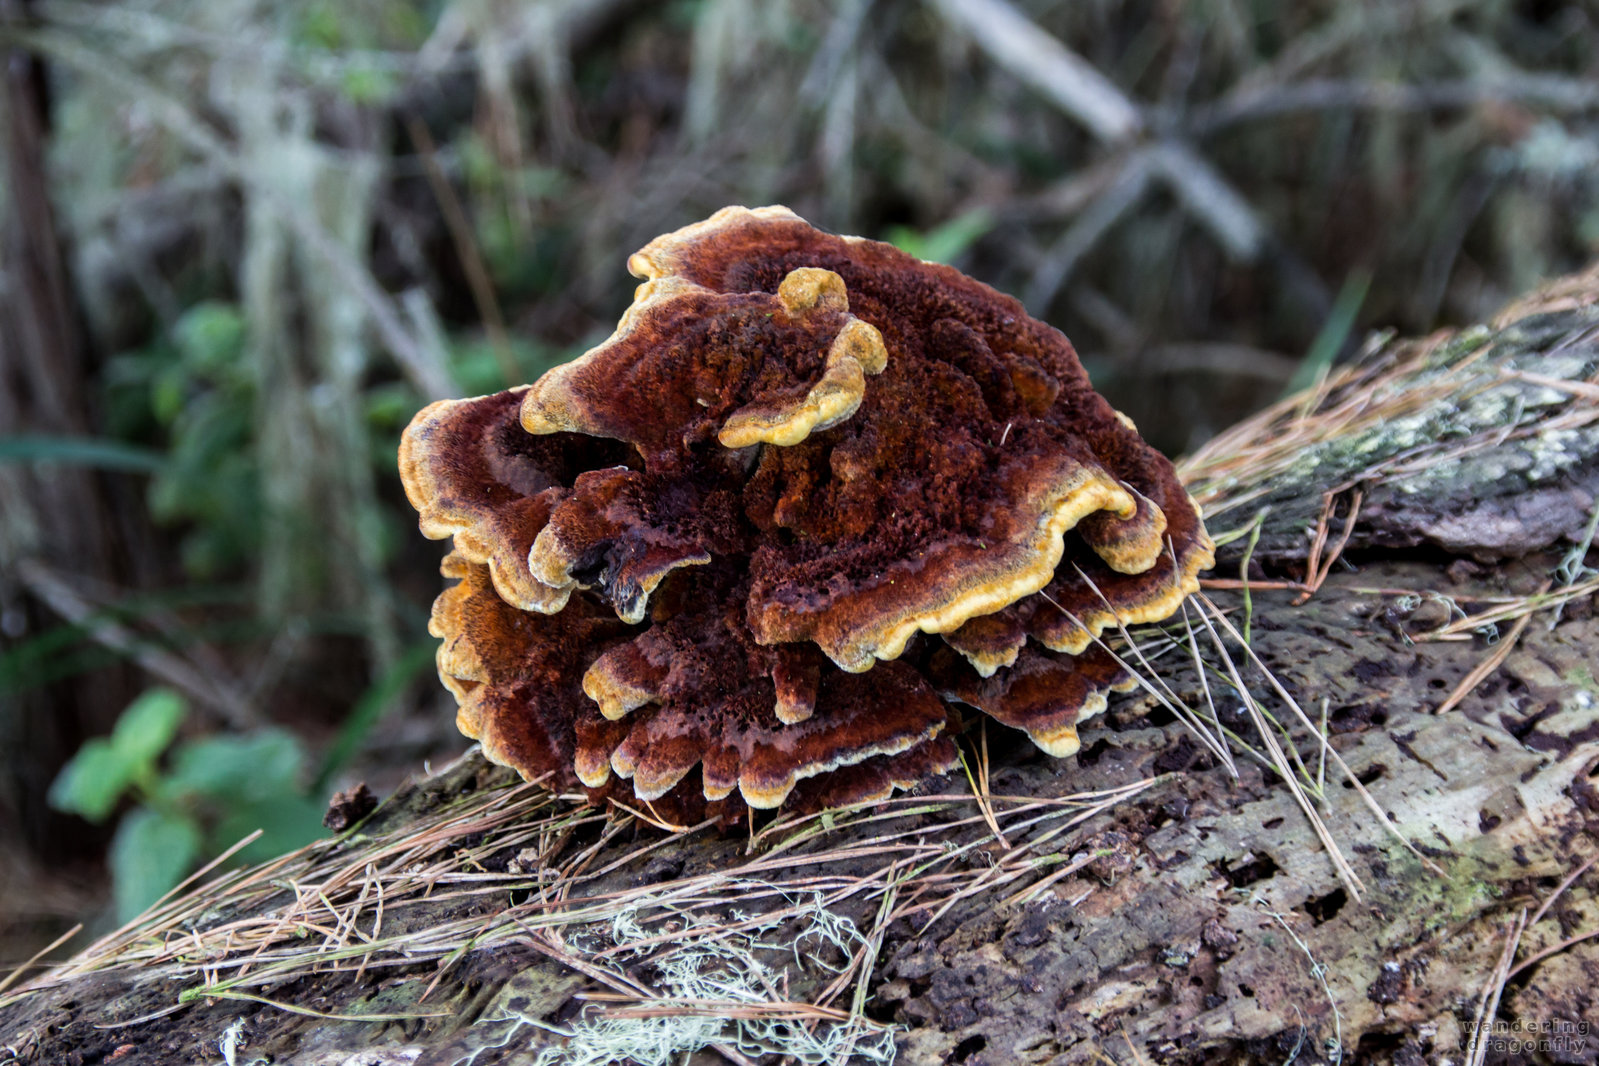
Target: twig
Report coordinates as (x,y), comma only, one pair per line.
(1575,388)
(21,969)
(1553,949)
(1232,584)
(54,590)
(1035,57)
(1219,207)
(1561,888)
(1104,211)
(1164,695)
(426,370)
(1254,102)
(1049,882)
(1077,88)
(460,227)
(1507,609)
(1488,665)
(1543,908)
(1317,570)
(1488,1000)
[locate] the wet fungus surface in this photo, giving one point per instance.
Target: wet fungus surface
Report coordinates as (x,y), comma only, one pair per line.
(811,498)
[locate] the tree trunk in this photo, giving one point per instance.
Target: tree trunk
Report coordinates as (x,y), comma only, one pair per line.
(1407,531)
(55,515)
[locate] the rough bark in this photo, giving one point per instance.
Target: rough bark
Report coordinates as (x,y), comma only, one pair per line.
(1200,920)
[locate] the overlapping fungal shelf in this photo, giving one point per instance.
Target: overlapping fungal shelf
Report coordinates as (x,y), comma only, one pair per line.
(756,547)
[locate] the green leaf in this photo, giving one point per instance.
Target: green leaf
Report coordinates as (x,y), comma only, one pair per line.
(321,27)
(944,244)
(239,769)
(478,160)
(148,726)
(475,367)
(210,335)
(150,853)
(169,392)
(97,776)
(93,780)
(286,822)
(368,84)
(81,451)
(391,405)
(1334,333)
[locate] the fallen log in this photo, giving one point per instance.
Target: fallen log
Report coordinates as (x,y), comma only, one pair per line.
(1350,815)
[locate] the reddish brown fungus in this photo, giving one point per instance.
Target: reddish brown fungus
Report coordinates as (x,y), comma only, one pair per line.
(716,541)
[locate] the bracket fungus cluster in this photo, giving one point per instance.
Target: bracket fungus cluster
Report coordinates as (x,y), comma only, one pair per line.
(812,494)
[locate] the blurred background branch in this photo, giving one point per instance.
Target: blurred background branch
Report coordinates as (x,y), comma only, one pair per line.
(1039,60)
(243,242)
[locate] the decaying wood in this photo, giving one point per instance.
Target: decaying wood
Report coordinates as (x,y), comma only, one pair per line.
(1407,533)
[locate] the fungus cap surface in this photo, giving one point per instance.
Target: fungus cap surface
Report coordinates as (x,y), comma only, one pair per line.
(810,490)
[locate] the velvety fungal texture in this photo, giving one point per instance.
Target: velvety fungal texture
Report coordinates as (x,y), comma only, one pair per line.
(810,498)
